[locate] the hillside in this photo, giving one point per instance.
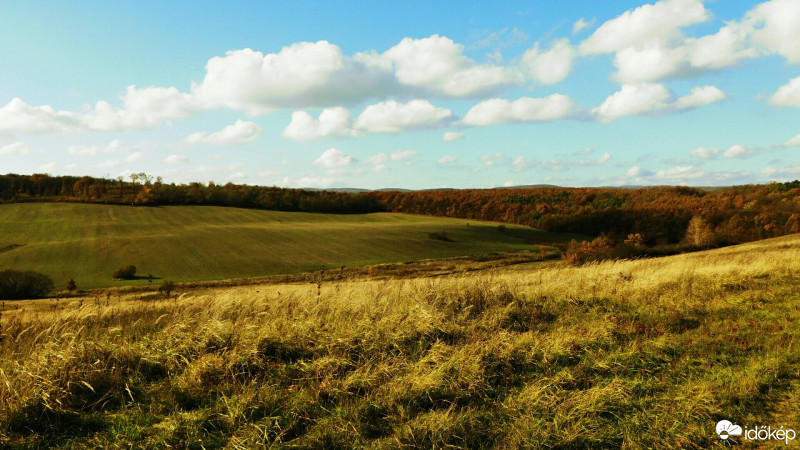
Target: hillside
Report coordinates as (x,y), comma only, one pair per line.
(88,242)
(631,354)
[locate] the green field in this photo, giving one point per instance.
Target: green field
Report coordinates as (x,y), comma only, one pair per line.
(189,243)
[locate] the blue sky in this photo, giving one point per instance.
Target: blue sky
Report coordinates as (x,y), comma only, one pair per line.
(404,94)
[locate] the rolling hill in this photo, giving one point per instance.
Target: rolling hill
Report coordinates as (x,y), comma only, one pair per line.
(188,243)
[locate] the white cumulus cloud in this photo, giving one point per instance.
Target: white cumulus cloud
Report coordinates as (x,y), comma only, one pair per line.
(176,159)
(393,117)
(525,109)
(17,149)
(651,98)
(331,122)
(788,94)
(659,21)
(704,152)
(550,66)
(238,133)
(333,158)
(438,65)
(451,136)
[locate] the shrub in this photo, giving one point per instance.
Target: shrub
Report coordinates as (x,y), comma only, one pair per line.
(16,285)
(581,252)
(166,288)
(125,273)
(439,236)
(71,286)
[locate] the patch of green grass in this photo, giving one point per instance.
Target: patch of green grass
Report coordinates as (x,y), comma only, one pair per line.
(185,243)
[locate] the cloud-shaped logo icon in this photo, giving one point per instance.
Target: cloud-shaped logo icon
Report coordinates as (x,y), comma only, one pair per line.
(726,430)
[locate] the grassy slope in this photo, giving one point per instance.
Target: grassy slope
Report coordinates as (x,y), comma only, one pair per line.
(88,242)
(631,354)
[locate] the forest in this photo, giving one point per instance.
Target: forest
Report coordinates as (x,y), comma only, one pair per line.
(651,216)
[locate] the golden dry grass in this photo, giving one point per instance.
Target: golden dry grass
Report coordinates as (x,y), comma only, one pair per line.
(648,353)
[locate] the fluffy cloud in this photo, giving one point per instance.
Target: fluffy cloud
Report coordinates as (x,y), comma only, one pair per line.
(17,148)
(782,173)
(525,109)
(649,45)
(331,122)
(704,152)
(637,171)
(437,65)
(659,21)
(793,141)
(451,136)
(239,133)
(176,159)
(775,27)
(447,159)
(92,150)
(393,117)
(142,108)
(333,158)
(580,24)
(788,94)
(301,75)
(17,116)
(492,158)
(651,98)
(680,173)
(549,66)
(403,155)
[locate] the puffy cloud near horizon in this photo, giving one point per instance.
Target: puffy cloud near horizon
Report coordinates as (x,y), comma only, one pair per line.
(333,158)
(176,159)
(393,117)
(238,133)
(525,109)
(403,155)
(17,116)
(792,142)
(451,136)
(17,148)
(141,109)
(652,98)
(331,122)
(704,152)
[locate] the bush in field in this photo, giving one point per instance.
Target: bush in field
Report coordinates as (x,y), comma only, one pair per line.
(578,253)
(16,285)
(439,236)
(125,273)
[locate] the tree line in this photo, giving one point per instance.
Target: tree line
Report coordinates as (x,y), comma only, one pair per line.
(658,215)
(144,189)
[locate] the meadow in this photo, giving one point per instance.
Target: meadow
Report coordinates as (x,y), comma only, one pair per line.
(620,354)
(88,242)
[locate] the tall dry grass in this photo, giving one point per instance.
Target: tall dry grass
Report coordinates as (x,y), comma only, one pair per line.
(631,354)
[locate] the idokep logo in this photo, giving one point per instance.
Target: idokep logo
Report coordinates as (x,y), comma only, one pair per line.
(728,432)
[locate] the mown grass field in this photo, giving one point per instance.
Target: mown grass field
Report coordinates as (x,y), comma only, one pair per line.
(186,243)
(626,354)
